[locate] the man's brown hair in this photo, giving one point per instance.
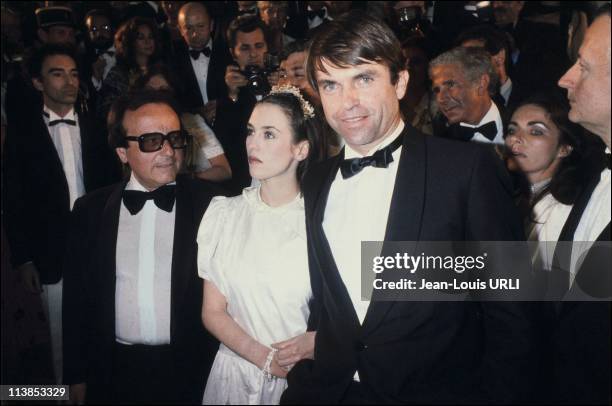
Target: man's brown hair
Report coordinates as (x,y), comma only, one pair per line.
(354,38)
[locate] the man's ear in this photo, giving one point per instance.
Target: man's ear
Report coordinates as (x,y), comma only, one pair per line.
(122,154)
(37,84)
(402,84)
(483,85)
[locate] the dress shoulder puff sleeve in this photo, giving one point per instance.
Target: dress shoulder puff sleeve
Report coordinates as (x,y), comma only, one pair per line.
(209,237)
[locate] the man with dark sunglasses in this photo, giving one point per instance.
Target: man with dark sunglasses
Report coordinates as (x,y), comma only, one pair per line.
(133,331)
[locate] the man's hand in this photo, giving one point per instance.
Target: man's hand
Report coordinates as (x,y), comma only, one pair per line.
(295,349)
(77,394)
(98,68)
(234,80)
(277,370)
(30,278)
(209,111)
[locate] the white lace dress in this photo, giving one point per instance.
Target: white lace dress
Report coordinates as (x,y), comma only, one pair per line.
(256,256)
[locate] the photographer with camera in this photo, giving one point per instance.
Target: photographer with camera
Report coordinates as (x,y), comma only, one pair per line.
(247,81)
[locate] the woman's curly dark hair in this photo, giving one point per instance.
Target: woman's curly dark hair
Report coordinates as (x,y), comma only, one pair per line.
(125,42)
(586,158)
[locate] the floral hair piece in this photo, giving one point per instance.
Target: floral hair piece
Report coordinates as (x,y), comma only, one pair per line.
(307,108)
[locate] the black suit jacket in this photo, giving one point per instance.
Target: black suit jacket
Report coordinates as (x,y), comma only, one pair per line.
(191,97)
(89,290)
(581,331)
(427,352)
(35,197)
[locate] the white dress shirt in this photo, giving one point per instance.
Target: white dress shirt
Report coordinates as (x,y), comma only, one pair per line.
(357,210)
(67,141)
(549,217)
(595,218)
(145,242)
(200,68)
(492,115)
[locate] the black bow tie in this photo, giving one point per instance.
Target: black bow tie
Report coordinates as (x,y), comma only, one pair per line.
(163,197)
(318,13)
(58,121)
(489,130)
(379,159)
(61,121)
(196,54)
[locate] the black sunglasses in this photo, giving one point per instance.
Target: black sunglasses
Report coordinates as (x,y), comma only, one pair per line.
(152,142)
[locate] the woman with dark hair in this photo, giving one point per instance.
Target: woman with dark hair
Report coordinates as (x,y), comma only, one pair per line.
(204,158)
(253,259)
(555,157)
(138,46)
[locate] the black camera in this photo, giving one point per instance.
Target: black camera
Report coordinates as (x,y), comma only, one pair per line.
(257,79)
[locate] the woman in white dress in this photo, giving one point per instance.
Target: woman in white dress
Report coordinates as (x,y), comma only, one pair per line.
(555,157)
(253,259)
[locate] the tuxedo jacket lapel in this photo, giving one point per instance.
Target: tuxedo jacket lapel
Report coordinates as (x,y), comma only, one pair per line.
(49,153)
(108,256)
(338,295)
(182,250)
(405,212)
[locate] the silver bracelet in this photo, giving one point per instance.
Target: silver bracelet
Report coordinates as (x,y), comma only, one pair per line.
(266,368)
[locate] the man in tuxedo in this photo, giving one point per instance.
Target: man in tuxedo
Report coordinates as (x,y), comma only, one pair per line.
(581,337)
(199,62)
(246,83)
(398,351)
(132,326)
(52,157)
(463,80)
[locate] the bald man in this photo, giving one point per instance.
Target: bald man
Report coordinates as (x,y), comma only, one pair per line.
(200,61)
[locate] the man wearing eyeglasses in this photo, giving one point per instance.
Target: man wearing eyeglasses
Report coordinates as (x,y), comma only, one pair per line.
(133,331)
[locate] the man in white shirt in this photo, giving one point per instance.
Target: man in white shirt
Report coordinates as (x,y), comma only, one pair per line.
(53,156)
(581,338)
(200,62)
(132,326)
(463,80)
(391,183)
